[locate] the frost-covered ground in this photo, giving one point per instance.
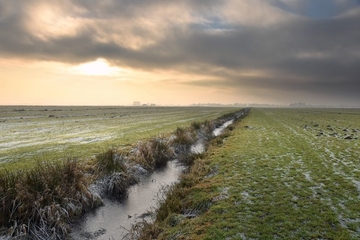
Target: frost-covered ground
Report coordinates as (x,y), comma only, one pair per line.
(49,132)
(283,174)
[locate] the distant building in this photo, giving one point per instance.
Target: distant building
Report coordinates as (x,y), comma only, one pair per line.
(137,103)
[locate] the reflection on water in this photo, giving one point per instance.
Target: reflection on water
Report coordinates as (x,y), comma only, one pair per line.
(219,130)
(114,219)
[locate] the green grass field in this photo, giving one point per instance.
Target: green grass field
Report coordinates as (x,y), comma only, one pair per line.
(40,201)
(282,174)
(55,132)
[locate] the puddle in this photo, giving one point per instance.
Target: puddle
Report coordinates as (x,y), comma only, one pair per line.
(219,130)
(113,220)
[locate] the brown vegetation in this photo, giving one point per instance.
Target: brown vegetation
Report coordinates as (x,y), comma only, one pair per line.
(42,201)
(153,154)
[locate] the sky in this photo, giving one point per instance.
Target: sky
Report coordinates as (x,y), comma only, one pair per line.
(115,52)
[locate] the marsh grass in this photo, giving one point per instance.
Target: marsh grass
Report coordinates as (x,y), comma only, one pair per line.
(112,176)
(110,161)
(182,142)
(153,154)
(42,201)
(161,152)
(143,231)
(195,126)
(116,184)
(183,139)
(207,130)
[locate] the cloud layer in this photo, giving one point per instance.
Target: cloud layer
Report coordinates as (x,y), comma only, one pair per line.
(281,50)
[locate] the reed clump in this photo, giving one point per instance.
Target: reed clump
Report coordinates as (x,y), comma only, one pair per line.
(196,125)
(154,153)
(161,152)
(186,139)
(109,161)
(113,178)
(143,231)
(182,142)
(40,202)
(209,127)
(115,185)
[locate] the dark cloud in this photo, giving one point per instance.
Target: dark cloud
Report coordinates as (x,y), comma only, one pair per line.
(317,57)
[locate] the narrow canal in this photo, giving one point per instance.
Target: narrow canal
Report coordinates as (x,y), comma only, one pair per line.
(114,219)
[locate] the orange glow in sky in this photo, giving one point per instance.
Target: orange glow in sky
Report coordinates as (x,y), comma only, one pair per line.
(99,83)
(116,52)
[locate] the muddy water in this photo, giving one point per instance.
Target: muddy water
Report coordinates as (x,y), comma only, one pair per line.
(113,220)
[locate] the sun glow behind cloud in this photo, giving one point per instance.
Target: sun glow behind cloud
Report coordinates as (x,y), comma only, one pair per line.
(100,67)
(179,52)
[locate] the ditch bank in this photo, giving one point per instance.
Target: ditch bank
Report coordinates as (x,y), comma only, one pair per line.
(43,202)
(116,219)
(175,206)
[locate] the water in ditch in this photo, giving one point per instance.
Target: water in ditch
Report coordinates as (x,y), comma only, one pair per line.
(114,219)
(220,129)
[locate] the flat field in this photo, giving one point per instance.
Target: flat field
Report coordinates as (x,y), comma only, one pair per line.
(53,132)
(282,174)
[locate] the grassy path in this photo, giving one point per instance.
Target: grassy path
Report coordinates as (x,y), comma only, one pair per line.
(276,177)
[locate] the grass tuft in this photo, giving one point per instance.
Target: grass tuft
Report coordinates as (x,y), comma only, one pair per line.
(143,231)
(112,173)
(40,202)
(183,139)
(116,185)
(154,153)
(109,162)
(196,125)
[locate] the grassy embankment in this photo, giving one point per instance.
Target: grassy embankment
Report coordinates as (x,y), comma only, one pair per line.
(282,174)
(30,134)
(41,201)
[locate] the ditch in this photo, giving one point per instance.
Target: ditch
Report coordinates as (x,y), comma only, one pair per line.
(115,219)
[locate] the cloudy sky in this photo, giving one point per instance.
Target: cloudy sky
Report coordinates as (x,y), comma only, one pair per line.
(114,52)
